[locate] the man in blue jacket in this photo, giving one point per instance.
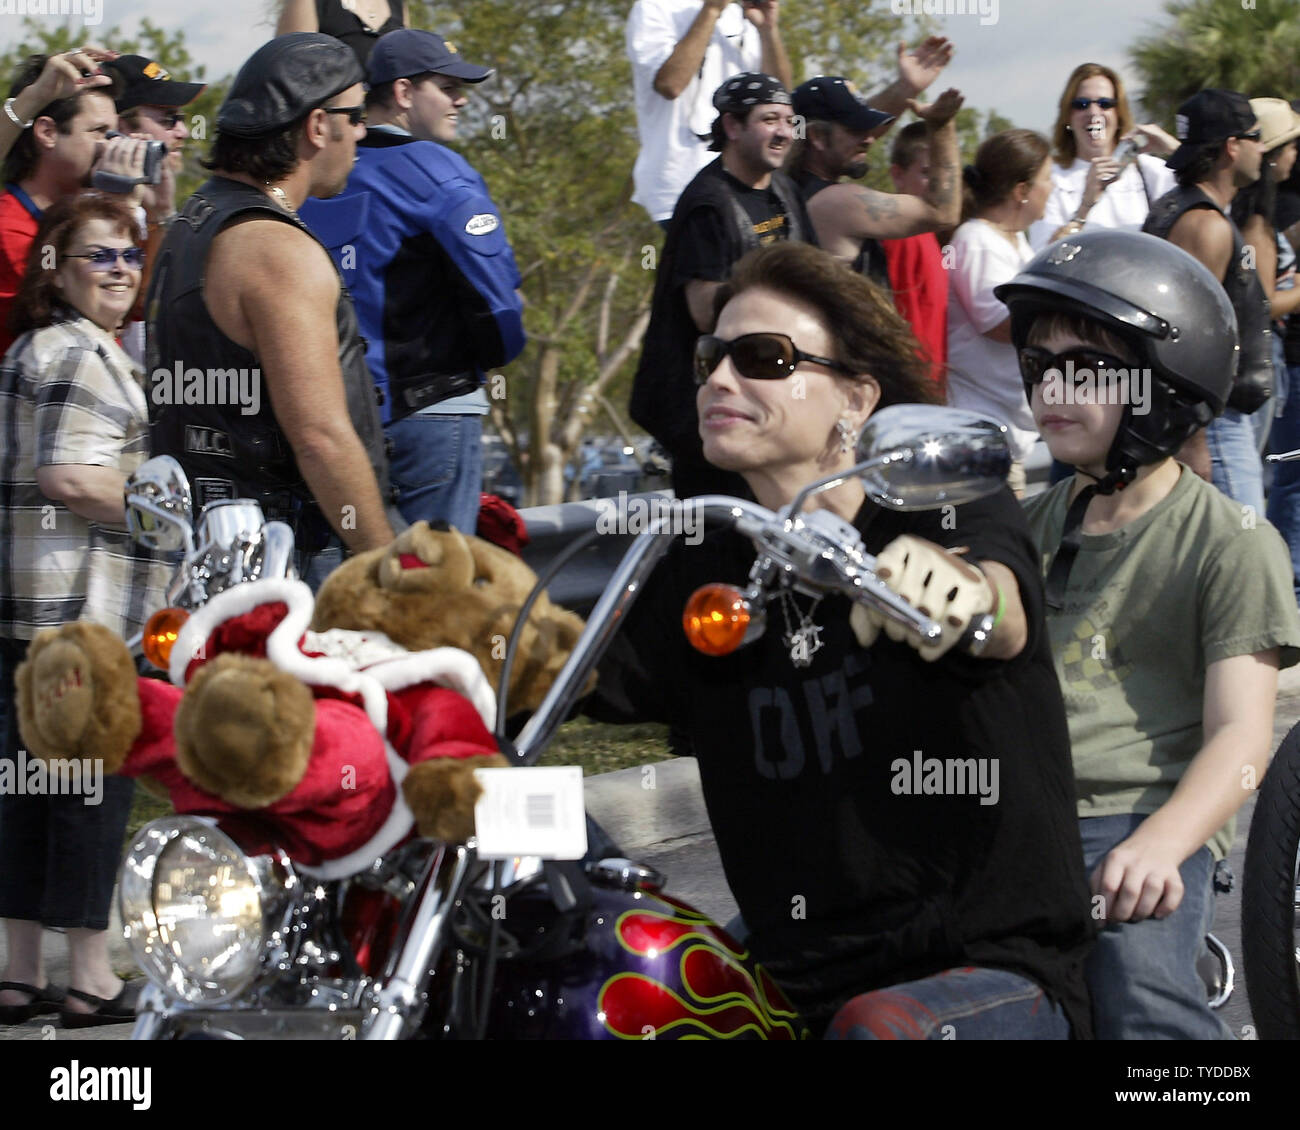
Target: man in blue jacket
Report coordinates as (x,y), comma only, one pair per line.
(423,251)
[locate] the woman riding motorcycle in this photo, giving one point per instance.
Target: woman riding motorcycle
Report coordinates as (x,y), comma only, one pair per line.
(895,820)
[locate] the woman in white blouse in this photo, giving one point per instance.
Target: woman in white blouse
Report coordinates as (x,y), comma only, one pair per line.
(1006,191)
(1089,187)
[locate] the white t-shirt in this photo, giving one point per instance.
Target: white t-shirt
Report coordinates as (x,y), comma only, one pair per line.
(982,373)
(1123,205)
(671,153)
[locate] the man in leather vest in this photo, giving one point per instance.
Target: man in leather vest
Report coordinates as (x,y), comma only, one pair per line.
(850,219)
(738,202)
(258,382)
(1220,153)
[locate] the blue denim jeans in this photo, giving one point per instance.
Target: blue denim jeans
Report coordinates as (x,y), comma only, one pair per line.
(436,465)
(1235,465)
(1142,975)
(1284,497)
(957,1004)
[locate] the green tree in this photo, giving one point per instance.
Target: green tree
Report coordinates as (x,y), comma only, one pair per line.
(1248,45)
(44,37)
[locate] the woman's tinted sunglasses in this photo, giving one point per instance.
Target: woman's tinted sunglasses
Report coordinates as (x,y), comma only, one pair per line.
(760,357)
(1084,103)
(1080,363)
(105,258)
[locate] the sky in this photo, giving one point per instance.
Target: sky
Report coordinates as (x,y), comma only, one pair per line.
(1012,55)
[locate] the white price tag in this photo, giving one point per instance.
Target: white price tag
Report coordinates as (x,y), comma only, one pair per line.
(533,811)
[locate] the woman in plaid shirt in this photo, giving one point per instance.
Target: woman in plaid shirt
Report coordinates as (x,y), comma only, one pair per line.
(73,424)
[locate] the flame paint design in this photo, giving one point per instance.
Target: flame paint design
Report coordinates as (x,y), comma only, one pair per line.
(726,1000)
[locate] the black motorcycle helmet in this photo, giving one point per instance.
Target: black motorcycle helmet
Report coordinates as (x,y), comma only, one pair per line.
(1176,320)
(1165,305)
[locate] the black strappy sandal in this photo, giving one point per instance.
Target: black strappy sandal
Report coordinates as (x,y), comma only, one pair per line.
(43,1002)
(119,1010)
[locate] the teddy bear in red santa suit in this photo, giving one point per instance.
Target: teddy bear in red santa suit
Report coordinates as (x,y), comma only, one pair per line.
(328,728)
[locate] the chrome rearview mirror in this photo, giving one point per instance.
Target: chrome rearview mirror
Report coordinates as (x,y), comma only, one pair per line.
(159,508)
(919,456)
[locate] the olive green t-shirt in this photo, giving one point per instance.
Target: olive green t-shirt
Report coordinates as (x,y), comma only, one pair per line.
(1148,608)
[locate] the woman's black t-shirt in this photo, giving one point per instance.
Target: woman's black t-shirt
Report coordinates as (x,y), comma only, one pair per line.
(851,872)
(336,20)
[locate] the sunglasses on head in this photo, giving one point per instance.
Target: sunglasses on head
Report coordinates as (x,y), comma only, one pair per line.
(1253,135)
(1081,362)
(105,258)
(760,357)
(356,114)
(1102,103)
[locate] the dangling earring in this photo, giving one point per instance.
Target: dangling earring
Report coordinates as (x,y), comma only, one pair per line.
(845,430)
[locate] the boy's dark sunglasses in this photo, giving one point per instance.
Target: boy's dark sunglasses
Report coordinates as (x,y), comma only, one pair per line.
(1084,103)
(356,114)
(1036,363)
(760,357)
(105,258)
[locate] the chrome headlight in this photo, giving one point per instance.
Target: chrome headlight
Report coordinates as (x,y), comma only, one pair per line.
(195,908)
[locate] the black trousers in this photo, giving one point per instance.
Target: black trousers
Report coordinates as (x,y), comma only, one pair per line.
(58,854)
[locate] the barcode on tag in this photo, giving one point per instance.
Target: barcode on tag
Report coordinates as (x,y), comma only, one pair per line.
(539,810)
(530,812)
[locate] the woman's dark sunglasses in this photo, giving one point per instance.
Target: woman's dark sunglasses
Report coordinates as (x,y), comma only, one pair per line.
(1084,103)
(760,357)
(356,114)
(1084,363)
(105,258)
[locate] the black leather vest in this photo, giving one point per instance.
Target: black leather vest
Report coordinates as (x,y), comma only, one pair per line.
(226,451)
(1245,292)
(871,261)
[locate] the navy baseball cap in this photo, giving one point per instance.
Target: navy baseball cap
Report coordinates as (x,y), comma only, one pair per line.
(285,79)
(410,51)
(829,98)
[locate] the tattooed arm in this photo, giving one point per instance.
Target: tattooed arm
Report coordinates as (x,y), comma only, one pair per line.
(846,214)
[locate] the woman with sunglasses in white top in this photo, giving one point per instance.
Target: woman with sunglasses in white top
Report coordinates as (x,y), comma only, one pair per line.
(1098,179)
(885,912)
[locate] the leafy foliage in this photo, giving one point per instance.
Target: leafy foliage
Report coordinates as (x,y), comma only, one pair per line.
(1252,46)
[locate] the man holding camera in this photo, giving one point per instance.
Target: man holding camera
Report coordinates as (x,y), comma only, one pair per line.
(60,133)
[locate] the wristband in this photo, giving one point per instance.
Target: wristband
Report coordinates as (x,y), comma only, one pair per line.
(13,116)
(1002,601)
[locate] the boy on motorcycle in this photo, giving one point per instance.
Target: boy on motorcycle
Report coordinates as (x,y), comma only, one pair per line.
(877,882)
(1170,607)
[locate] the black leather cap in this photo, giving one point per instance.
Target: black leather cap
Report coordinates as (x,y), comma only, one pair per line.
(284,79)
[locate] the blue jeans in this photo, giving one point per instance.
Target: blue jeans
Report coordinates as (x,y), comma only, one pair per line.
(957,1004)
(1284,497)
(1234,458)
(314,567)
(1142,975)
(436,464)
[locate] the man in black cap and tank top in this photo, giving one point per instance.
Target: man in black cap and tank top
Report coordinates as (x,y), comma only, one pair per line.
(258,383)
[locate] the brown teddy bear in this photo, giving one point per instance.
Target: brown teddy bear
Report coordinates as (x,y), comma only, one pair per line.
(295,720)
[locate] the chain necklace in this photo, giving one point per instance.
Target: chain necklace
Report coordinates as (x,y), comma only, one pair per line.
(804,641)
(283,200)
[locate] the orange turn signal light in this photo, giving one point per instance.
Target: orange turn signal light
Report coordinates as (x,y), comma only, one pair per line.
(160,635)
(716,619)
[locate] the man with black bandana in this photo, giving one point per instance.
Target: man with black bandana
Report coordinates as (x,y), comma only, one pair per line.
(241,284)
(738,202)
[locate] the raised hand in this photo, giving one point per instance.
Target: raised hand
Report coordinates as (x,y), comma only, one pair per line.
(918,68)
(939,112)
